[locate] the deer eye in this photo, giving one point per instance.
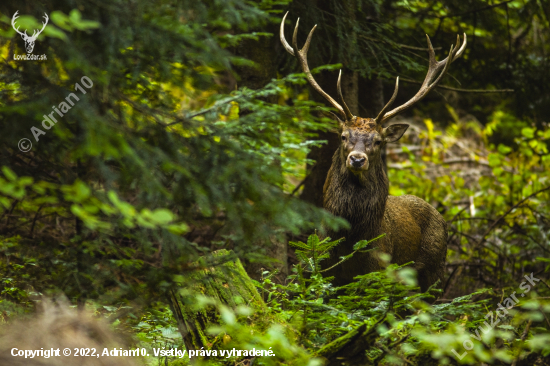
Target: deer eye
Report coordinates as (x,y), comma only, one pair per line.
(377,142)
(343,138)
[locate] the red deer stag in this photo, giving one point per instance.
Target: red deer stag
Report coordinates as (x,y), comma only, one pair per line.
(357,187)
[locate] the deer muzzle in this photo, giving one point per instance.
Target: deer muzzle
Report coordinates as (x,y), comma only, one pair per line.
(357,161)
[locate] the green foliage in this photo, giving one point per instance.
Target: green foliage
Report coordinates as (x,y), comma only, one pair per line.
(495,199)
(502,53)
(496,202)
(163,161)
(153,151)
(314,251)
(405,326)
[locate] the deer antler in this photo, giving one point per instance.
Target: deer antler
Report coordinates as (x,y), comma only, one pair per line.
(433,68)
(35,35)
(13,24)
(301,55)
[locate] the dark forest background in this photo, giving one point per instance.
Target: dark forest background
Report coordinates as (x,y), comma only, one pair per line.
(194,131)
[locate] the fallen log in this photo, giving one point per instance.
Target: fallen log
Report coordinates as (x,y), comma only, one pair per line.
(226,283)
(350,348)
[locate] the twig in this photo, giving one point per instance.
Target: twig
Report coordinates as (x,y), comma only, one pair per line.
(544,282)
(398,342)
(473,239)
(523,336)
(535,241)
(388,351)
(466,264)
(34,220)
(398,44)
(497,221)
(198,113)
(451,277)
(448,162)
(303,181)
(473,218)
(8,212)
(142,109)
(475,10)
(509,38)
(401,151)
(460,89)
(458,214)
(460,160)
(545,317)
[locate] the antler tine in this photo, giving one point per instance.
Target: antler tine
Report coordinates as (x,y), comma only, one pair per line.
(301,55)
(462,48)
(348,113)
(459,49)
(34,35)
(15,16)
(46,18)
(433,68)
(378,118)
(287,47)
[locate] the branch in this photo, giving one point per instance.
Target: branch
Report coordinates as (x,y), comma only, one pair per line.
(458,214)
(398,44)
(494,224)
(216,105)
(523,336)
(462,160)
(545,284)
(475,10)
(465,263)
(304,180)
(351,346)
(444,162)
(459,89)
(144,109)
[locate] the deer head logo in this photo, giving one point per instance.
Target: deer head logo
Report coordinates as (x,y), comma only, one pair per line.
(29,40)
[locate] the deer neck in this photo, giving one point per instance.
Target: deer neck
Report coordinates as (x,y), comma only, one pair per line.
(360,199)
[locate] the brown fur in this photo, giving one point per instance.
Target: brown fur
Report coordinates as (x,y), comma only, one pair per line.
(414,230)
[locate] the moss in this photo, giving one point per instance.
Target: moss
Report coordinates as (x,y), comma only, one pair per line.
(227,284)
(335,346)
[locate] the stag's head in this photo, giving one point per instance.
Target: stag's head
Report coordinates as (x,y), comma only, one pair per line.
(29,40)
(363,138)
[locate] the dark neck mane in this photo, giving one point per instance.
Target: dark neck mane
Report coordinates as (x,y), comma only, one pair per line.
(359,200)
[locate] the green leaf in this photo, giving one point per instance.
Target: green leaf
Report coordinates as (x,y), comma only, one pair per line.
(503,149)
(408,276)
(55,33)
(61,20)
(360,244)
(163,216)
(528,132)
(8,173)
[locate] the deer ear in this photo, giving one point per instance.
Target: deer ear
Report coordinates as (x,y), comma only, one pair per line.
(341,124)
(394,132)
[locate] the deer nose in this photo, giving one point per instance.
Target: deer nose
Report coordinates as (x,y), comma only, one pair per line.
(357,161)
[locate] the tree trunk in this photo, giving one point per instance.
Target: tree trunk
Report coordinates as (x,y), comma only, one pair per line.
(363,96)
(263,53)
(225,283)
